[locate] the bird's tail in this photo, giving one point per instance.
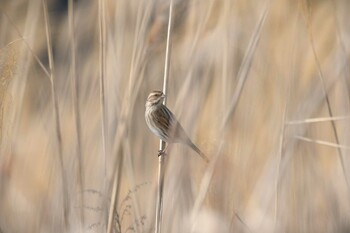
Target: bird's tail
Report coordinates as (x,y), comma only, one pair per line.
(196,149)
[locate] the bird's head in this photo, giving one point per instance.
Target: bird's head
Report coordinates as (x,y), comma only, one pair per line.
(155,98)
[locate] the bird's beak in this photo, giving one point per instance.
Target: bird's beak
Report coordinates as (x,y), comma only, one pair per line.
(163,96)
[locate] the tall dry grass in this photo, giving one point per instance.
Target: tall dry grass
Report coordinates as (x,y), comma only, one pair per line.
(262,87)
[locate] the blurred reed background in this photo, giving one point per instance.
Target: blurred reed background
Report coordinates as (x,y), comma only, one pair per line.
(245,78)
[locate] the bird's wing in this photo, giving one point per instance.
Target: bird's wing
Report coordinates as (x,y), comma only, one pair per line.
(165,121)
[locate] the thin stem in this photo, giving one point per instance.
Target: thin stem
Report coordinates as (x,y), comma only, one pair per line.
(281,150)
(161,158)
(167,53)
(66,207)
(102,50)
(242,76)
(281,154)
(159,207)
(138,65)
(326,96)
(246,64)
(325,143)
(76,111)
(316,120)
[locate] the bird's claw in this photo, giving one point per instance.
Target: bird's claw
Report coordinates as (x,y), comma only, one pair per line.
(161,152)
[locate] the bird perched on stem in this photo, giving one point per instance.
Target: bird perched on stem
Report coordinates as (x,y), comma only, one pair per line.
(162,122)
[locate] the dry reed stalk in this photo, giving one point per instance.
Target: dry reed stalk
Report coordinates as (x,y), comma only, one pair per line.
(287,155)
(246,64)
(76,110)
(282,141)
(65,195)
(305,110)
(317,119)
(242,76)
(161,157)
(341,42)
(138,66)
(325,92)
(137,69)
(103,105)
(199,30)
(321,142)
(281,150)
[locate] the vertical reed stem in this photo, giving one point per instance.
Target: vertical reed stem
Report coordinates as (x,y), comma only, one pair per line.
(76,110)
(104,120)
(161,158)
(65,196)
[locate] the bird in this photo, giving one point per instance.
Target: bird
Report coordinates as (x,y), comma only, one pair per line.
(163,123)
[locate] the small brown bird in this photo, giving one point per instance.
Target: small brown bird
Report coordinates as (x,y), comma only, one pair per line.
(162,122)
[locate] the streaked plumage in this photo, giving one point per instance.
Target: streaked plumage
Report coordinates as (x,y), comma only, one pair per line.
(162,122)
